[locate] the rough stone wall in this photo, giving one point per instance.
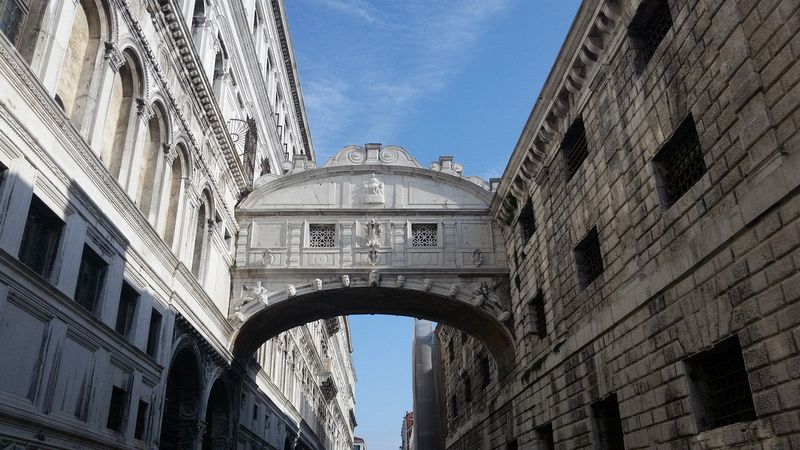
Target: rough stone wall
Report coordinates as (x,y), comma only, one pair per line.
(722,261)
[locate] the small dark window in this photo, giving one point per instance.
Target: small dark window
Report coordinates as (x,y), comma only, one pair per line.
(453,406)
(588,258)
(719,387)
(544,437)
(127,309)
(536,315)
(526,220)
(255,413)
(116,410)
(153,334)
(40,239)
(467,387)
(141,420)
(574,147)
(451,352)
(485,369)
(679,164)
(12,18)
(91,275)
(608,433)
(647,29)
(512,445)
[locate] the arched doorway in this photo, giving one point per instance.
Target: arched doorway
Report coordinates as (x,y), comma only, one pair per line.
(218,434)
(180,427)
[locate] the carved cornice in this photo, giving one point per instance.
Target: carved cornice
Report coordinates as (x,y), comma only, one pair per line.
(596,23)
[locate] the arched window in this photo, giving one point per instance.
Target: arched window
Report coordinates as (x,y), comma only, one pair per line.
(20,22)
(121,118)
(176,174)
(204,214)
(198,22)
(80,59)
(156,136)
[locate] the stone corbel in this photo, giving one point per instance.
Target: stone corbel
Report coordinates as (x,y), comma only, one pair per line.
(144,110)
(114,57)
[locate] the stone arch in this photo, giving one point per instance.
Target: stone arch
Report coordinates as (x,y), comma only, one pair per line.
(121,119)
(177,178)
(156,138)
(76,81)
(181,426)
(466,308)
(218,415)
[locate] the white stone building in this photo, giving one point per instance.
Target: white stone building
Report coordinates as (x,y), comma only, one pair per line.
(129,130)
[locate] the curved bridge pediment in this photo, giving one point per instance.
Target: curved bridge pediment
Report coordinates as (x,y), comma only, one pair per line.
(371,232)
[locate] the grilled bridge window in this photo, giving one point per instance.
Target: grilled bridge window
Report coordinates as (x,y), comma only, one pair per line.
(588,258)
(321,235)
(719,387)
(424,235)
(608,434)
(679,164)
(574,147)
(647,29)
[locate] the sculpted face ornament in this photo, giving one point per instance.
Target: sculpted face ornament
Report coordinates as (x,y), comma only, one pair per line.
(427,283)
(317,284)
(291,290)
(374,278)
(401,281)
(453,290)
(346,280)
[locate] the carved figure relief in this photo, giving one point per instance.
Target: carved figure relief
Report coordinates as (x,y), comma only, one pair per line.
(346,280)
(258,293)
(373,191)
(291,290)
(317,284)
(427,283)
(401,281)
(477,257)
(374,279)
(453,290)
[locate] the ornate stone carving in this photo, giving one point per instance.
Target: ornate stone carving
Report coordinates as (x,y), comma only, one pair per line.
(114,57)
(477,257)
(257,293)
(453,290)
(401,281)
(345,280)
(374,278)
(486,298)
(236,319)
(291,290)
(317,284)
(427,283)
(144,110)
(373,191)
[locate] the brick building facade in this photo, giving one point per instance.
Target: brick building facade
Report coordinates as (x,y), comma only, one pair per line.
(651,216)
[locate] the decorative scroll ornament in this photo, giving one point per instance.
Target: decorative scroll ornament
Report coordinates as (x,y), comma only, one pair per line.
(373,191)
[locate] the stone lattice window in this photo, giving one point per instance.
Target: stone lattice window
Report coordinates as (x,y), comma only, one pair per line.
(650,24)
(544,437)
(719,386)
(679,164)
(574,147)
(589,259)
(608,434)
(424,235)
(321,235)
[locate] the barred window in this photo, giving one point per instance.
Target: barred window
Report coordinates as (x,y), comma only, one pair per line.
(527,221)
(574,147)
(647,29)
(321,235)
(544,437)
(424,235)
(608,434)
(536,315)
(719,386)
(679,164)
(589,259)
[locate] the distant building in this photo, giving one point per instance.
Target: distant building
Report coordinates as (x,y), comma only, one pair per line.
(359,444)
(406,430)
(427,434)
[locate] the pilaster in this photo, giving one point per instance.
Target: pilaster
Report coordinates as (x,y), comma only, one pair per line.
(16,198)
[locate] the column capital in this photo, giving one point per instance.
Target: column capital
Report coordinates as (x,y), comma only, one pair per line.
(114,57)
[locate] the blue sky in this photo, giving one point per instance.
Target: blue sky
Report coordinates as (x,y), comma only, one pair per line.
(437,77)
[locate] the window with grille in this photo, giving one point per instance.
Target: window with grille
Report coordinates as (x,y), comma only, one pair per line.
(153,334)
(141,420)
(607,431)
(526,220)
(91,276)
(127,309)
(116,409)
(574,147)
(12,18)
(650,24)
(40,239)
(719,386)
(544,437)
(588,259)
(424,235)
(679,164)
(321,235)
(536,315)
(485,369)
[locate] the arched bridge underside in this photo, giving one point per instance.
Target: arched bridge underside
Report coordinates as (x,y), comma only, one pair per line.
(371,232)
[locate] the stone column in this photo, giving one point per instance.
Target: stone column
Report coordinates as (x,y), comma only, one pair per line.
(16,200)
(52,46)
(98,123)
(134,145)
(70,255)
(157,213)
